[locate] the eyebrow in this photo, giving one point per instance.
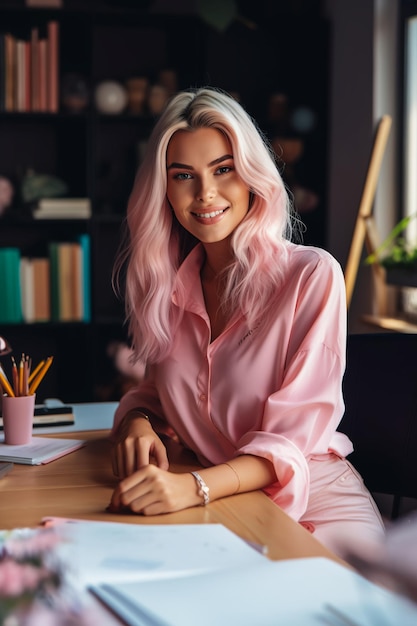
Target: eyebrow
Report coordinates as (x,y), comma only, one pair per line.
(184,166)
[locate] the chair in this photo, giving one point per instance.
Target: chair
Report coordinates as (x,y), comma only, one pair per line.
(380,389)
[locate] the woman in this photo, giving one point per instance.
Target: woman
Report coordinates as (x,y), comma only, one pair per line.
(242,331)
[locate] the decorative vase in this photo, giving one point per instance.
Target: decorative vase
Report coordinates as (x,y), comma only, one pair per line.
(137,93)
(110,97)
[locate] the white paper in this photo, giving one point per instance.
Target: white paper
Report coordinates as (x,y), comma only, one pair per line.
(40,450)
(296,592)
(97,552)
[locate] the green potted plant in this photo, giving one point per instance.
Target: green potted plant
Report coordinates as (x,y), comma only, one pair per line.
(398,256)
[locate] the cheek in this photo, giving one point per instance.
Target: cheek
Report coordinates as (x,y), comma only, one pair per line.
(177,196)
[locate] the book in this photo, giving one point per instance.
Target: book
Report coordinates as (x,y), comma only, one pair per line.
(34,68)
(10,300)
(53,66)
(27,286)
(306,591)
(42,289)
(10,72)
(85,243)
(77,283)
(40,451)
(66,280)
(20,84)
(51,416)
(43,75)
(54,284)
(63,208)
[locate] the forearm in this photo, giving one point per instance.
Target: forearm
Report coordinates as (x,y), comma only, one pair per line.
(239,475)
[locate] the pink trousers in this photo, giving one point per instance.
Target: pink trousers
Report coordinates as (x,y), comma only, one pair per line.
(340,512)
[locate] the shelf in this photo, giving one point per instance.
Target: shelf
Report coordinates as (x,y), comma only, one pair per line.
(396,324)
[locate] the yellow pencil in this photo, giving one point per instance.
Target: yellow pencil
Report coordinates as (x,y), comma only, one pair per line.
(15,377)
(5,384)
(36,382)
(36,370)
(21,392)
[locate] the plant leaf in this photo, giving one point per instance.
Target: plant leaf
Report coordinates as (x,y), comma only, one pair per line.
(397,230)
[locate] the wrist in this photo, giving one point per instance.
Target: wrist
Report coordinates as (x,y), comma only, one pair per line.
(202,488)
(136,413)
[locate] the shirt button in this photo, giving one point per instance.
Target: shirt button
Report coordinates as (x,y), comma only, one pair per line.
(203,397)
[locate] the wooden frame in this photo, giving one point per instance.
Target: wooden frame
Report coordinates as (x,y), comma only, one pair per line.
(365,230)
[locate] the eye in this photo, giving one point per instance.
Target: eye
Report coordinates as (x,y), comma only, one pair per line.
(182,176)
(224,169)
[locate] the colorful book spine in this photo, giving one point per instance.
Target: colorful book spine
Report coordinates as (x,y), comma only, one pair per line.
(10,72)
(27,285)
(10,300)
(53,66)
(42,289)
(85,242)
(54,281)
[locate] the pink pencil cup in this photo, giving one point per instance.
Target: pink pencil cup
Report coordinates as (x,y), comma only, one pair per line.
(18,419)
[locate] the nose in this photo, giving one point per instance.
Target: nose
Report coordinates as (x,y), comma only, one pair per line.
(205,191)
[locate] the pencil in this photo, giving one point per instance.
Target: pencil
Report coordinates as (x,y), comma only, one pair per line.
(21,372)
(36,382)
(26,377)
(5,384)
(36,370)
(15,377)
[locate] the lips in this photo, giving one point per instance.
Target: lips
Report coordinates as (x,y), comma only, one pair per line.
(211,214)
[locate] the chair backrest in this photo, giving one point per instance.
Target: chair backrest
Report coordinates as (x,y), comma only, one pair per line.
(380,389)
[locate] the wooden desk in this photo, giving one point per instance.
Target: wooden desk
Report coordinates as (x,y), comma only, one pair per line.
(80,485)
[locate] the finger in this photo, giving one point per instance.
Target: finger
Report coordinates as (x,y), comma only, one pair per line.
(120,496)
(161,456)
(133,493)
(142,450)
(120,460)
(130,456)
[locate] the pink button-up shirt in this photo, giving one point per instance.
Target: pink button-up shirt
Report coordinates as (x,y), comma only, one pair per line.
(272,390)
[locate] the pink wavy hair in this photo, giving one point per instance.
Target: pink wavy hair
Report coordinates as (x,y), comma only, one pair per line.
(157,244)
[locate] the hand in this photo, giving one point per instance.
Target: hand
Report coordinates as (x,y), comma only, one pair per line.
(152,491)
(137,445)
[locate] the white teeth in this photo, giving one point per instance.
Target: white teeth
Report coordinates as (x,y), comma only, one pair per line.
(212,214)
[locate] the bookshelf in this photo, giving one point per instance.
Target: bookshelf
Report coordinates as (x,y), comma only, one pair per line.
(96,154)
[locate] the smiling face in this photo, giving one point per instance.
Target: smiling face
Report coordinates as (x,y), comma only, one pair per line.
(208,197)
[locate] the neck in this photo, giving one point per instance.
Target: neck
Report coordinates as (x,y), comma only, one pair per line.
(208,273)
(217,258)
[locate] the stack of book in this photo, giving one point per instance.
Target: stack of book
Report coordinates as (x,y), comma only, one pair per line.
(56,287)
(29,71)
(63,208)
